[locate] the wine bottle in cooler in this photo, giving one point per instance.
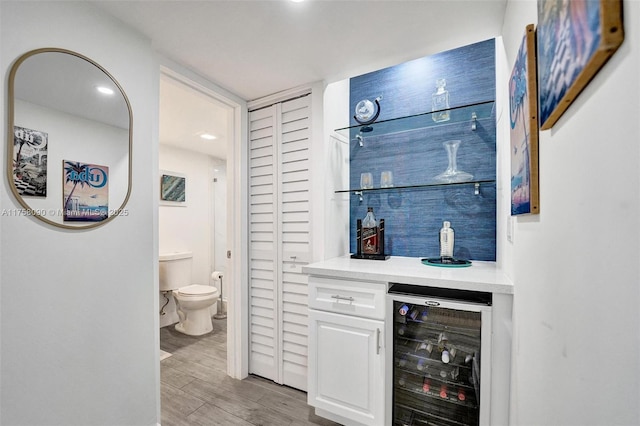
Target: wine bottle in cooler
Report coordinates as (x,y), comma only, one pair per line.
(421,365)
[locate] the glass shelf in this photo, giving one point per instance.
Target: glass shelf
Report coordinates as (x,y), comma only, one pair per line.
(475,183)
(467,113)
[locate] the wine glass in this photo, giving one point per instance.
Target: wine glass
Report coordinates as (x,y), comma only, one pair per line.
(366,180)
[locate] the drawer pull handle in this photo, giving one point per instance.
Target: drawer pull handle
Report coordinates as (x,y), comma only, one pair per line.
(338,297)
(377,341)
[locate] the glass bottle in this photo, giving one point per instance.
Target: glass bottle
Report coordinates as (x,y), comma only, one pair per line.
(440,102)
(446,240)
(370,233)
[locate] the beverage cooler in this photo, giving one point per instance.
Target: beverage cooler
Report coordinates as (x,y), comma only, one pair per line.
(438,348)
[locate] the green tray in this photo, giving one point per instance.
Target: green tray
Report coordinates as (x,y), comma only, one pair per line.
(446,262)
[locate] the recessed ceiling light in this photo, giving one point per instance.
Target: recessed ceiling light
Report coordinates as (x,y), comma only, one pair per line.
(297,1)
(104,90)
(207,136)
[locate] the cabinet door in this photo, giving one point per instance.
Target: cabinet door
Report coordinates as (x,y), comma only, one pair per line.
(279,241)
(346,366)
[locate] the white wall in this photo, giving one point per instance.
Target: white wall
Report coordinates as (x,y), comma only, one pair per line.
(336,169)
(190,226)
(575,266)
(78,323)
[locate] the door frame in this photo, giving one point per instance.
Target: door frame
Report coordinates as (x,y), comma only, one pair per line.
(237,217)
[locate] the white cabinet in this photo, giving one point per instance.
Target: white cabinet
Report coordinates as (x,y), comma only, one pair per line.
(345,307)
(279,220)
(346,350)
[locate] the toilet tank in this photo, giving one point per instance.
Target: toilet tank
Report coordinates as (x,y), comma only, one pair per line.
(175,270)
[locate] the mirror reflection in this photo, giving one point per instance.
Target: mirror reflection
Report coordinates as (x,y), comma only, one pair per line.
(69,145)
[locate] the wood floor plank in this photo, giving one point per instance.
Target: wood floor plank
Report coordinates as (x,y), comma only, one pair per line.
(199,371)
(210,415)
(287,405)
(244,394)
(174,377)
(177,404)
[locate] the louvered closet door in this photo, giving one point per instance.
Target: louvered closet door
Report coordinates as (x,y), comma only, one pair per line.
(263,243)
(280,245)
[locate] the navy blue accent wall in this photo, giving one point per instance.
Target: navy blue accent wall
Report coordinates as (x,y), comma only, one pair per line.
(414,216)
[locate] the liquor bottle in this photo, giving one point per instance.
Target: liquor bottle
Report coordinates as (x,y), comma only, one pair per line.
(402,330)
(370,233)
(446,240)
(440,102)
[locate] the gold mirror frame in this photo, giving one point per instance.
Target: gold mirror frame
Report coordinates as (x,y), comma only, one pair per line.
(30,211)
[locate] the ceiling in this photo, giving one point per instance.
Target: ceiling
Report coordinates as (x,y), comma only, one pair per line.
(258,48)
(186,114)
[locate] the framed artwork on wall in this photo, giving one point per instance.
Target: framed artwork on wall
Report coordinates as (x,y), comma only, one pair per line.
(30,162)
(574,39)
(173,189)
(85,192)
(523,108)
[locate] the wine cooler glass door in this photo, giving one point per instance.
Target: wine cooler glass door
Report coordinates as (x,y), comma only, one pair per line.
(438,353)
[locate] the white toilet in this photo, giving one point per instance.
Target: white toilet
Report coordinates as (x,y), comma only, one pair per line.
(192,300)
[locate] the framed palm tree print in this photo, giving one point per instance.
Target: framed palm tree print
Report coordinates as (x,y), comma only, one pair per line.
(85,192)
(575,39)
(524,128)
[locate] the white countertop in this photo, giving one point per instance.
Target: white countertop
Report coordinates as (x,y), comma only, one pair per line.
(480,276)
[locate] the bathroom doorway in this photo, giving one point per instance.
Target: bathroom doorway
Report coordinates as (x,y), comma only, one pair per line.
(199,135)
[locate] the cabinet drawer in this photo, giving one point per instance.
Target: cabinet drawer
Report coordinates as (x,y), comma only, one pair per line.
(359,298)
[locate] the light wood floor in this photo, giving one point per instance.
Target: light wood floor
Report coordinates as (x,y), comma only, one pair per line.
(195,389)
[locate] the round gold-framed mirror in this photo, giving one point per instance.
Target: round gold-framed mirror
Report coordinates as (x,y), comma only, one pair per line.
(69,140)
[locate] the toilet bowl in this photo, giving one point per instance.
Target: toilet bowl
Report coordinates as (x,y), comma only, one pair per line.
(192,300)
(193,303)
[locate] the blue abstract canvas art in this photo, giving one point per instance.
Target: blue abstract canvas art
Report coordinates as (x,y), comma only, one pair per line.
(574,38)
(173,188)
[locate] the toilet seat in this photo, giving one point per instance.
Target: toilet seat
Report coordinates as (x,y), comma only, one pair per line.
(197,290)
